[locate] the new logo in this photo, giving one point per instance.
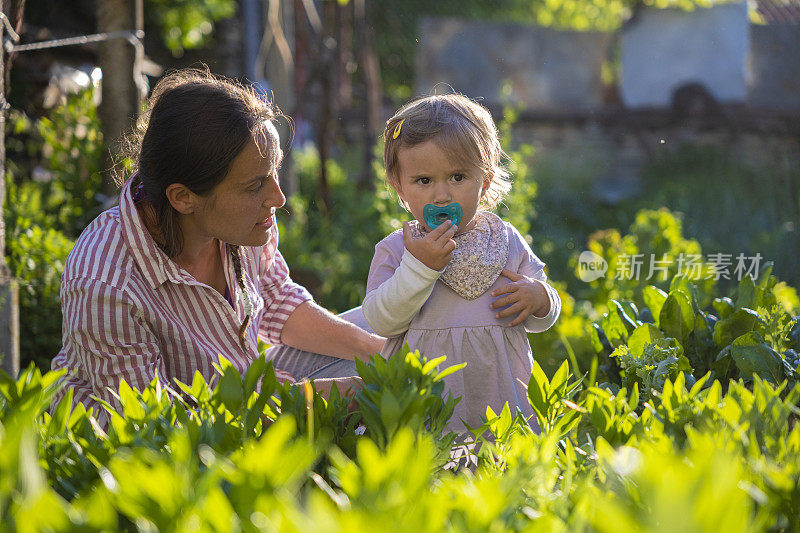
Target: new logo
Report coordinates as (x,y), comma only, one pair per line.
(591,266)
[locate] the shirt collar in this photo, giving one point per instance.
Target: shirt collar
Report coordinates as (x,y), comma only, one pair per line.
(152,261)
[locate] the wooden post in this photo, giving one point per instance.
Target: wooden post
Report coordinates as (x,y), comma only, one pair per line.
(9,299)
(121,96)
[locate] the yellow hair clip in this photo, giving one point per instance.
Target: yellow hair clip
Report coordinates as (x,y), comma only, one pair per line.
(397,129)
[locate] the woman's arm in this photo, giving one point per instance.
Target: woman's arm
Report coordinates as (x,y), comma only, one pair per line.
(105,341)
(313,329)
(292,318)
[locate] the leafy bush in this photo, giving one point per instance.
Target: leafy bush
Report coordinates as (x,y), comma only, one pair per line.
(674,333)
(44,215)
(62,190)
(405,391)
(187,25)
(36,259)
(243,453)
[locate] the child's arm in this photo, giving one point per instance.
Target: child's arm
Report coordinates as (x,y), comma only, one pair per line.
(530,299)
(535,303)
(400,283)
(538,322)
(390,308)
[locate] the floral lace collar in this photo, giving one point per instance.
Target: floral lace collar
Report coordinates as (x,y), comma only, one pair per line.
(479,257)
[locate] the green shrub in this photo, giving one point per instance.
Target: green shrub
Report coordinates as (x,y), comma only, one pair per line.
(44,216)
(741,337)
(236,454)
(36,258)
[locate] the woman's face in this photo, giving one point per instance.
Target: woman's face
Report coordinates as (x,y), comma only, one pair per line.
(240,210)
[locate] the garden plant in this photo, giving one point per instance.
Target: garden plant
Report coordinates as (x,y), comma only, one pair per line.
(685,421)
(665,404)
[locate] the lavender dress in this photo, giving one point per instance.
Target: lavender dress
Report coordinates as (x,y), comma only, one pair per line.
(498,357)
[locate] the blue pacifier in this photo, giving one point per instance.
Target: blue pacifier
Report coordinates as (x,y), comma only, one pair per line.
(434,215)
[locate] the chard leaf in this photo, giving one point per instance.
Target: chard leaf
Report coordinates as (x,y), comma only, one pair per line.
(752,355)
(677,317)
(643,335)
(654,299)
(738,323)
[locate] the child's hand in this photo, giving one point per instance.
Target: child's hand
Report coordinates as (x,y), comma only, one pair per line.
(435,249)
(524,295)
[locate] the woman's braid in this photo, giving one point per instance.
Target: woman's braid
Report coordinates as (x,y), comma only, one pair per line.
(236,259)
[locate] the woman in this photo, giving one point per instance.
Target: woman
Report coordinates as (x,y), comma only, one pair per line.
(187,266)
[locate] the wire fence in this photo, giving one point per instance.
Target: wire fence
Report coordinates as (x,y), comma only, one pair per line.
(134,37)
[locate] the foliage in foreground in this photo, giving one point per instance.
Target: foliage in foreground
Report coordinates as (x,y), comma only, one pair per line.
(245,453)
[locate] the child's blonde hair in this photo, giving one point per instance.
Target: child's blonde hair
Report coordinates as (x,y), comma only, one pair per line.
(461,128)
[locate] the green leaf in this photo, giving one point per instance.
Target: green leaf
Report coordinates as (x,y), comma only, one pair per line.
(58,422)
(131,406)
(628,313)
(677,317)
(559,379)
(503,422)
(642,336)
(433,363)
(449,370)
(765,274)
(594,338)
(654,299)
(747,294)
(537,387)
(752,355)
(230,389)
(680,282)
(254,412)
(390,412)
(724,307)
(699,384)
(614,326)
(741,321)
(633,402)
(8,388)
(254,372)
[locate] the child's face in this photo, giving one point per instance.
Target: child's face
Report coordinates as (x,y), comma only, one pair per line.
(427,176)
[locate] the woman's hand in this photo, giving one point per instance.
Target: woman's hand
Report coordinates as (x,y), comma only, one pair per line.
(435,249)
(348,387)
(525,296)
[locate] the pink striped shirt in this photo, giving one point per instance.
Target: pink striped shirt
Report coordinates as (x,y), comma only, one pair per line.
(130,312)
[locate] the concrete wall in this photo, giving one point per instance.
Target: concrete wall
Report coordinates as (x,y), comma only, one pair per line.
(508,63)
(774,64)
(664,49)
(660,51)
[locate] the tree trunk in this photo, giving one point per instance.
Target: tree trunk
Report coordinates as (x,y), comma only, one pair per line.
(371,74)
(119,106)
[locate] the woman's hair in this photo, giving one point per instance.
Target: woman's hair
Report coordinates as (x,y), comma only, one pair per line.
(461,128)
(193,128)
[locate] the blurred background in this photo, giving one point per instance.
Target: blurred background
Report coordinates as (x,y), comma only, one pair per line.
(660,128)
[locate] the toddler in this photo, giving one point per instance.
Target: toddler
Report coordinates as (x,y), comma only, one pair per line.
(458,281)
